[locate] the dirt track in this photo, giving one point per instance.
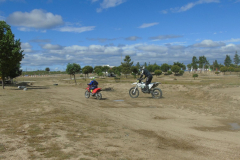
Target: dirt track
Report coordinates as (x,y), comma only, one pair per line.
(189,122)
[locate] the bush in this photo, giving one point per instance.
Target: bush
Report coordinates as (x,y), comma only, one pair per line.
(181,72)
(217,73)
(224,69)
(100,74)
(175,69)
(169,72)
(81,75)
(195,75)
(158,72)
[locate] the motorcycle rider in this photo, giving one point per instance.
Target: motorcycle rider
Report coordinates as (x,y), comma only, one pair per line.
(93,84)
(147,74)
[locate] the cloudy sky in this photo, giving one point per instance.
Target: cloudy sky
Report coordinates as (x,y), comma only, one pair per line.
(97,32)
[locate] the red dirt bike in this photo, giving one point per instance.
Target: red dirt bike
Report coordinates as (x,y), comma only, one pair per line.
(95,93)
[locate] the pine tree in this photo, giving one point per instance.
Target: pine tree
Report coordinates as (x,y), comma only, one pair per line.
(227,61)
(236,59)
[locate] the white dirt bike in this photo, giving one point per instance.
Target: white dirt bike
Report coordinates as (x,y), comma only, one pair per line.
(156,92)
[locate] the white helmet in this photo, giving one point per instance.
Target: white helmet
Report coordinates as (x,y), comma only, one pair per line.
(142,68)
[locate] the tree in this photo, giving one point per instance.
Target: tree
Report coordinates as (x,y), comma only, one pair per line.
(138,65)
(98,70)
(194,62)
(202,61)
(189,67)
(236,59)
(227,61)
(181,65)
(165,67)
(135,70)
(231,69)
(195,75)
(99,67)
(126,65)
(215,65)
(181,72)
(15,72)
(217,73)
(175,69)
(105,69)
(88,69)
(158,72)
(47,69)
(11,53)
(72,69)
(223,69)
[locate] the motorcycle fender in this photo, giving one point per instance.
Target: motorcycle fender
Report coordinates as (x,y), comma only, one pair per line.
(96,90)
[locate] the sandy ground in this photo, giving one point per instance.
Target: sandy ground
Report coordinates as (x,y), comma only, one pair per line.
(195,119)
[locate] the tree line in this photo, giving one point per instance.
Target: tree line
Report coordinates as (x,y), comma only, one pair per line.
(11,55)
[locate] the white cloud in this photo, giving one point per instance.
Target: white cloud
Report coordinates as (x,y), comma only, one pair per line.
(133,38)
(209,43)
(139,52)
(37,19)
(232,40)
(146,25)
(51,47)
(109,4)
(189,6)
(237,1)
(152,48)
(76,29)
(162,37)
(24,29)
(26,47)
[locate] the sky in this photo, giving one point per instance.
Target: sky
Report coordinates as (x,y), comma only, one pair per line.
(102,32)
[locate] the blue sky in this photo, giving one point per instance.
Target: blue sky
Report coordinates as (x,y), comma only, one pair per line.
(97,32)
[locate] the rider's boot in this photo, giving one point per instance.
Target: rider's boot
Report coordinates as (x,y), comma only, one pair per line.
(147,88)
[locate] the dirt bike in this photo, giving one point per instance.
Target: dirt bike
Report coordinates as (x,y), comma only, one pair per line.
(156,92)
(95,93)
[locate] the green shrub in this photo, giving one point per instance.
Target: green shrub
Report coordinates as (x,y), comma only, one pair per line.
(217,73)
(175,69)
(158,72)
(169,72)
(195,75)
(181,72)
(81,75)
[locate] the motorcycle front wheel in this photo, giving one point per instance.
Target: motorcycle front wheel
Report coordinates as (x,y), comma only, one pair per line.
(87,94)
(132,93)
(99,95)
(156,93)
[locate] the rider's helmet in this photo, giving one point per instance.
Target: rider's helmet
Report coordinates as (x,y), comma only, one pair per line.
(142,68)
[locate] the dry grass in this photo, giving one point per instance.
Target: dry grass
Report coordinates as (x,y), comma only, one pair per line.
(44,126)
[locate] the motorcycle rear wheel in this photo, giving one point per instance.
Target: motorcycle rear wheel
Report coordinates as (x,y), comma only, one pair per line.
(87,94)
(99,95)
(156,93)
(132,93)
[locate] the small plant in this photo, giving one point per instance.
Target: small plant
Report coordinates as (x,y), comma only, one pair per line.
(181,72)
(158,72)
(169,72)
(81,75)
(217,73)
(195,75)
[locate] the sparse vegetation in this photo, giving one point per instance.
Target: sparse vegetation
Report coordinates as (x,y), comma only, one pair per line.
(195,75)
